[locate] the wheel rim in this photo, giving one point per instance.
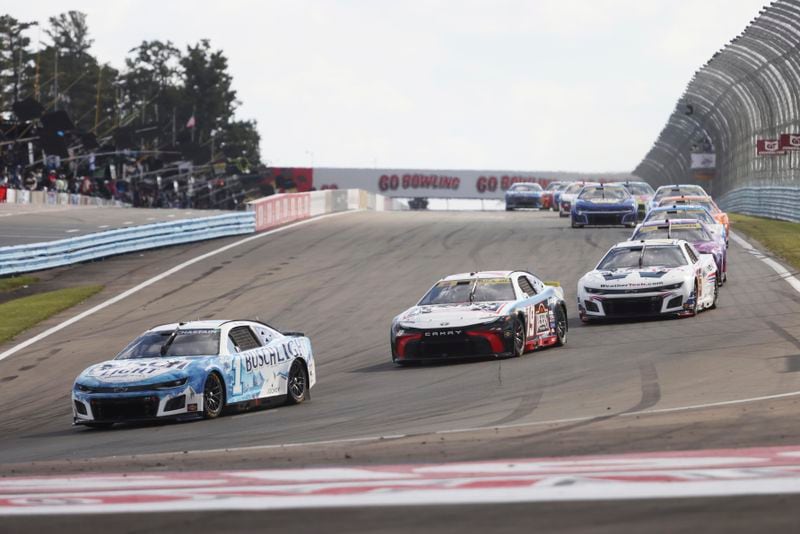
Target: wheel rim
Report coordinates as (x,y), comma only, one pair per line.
(297,384)
(519,337)
(213,394)
(561,326)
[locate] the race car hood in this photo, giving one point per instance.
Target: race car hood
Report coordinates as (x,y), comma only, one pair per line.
(451,315)
(141,371)
(636,278)
(603,204)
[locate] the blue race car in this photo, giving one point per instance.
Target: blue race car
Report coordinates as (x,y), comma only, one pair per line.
(194,370)
(524,195)
(603,205)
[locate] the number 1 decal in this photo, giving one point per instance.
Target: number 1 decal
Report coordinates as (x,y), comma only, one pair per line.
(237,375)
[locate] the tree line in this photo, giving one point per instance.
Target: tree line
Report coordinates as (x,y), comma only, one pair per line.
(162,97)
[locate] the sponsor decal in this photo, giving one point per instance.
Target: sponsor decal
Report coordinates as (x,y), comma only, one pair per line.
(769,147)
(442,333)
(790,141)
(132,370)
(268,356)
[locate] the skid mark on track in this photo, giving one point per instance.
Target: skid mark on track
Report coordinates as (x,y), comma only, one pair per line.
(651,389)
(528,403)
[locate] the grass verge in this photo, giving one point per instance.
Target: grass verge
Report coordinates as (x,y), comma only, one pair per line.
(782,238)
(10,284)
(23,313)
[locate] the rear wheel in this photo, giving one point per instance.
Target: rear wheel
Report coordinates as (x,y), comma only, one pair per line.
(519,337)
(716,295)
(297,386)
(213,397)
(561,326)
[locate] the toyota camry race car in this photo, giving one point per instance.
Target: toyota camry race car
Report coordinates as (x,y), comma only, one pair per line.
(693,231)
(479,315)
(194,370)
(603,205)
(649,278)
(524,195)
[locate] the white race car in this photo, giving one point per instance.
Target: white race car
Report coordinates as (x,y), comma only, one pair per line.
(649,278)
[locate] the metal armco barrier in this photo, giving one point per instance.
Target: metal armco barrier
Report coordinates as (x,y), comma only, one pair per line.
(38,256)
(773,202)
(747,91)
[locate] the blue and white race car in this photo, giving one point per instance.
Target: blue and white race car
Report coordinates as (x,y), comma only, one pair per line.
(524,195)
(194,370)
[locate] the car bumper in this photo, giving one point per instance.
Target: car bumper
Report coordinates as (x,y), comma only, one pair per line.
(136,406)
(668,303)
(604,218)
(524,202)
(422,345)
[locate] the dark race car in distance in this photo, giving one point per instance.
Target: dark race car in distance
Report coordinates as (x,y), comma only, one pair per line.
(524,195)
(480,315)
(548,196)
(603,205)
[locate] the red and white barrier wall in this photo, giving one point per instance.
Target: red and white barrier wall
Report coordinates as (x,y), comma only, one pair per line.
(277,210)
(51,198)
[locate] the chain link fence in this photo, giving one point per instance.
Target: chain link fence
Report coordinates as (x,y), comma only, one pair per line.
(748,91)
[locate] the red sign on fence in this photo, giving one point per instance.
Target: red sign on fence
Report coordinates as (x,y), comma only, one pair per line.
(769,147)
(281,209)
(790,141)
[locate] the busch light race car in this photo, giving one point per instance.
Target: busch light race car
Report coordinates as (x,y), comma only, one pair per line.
(649,278)
(194,370)
(479,315)
(693,231)
(603,205)
(524,195)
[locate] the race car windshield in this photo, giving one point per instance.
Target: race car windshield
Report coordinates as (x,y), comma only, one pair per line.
(552,186)
(189,342)
(466,291)
(572,189)
(526,188)
(687,232)
(603,193)
(700,215)
(641,257)
(684,190)
(640,189)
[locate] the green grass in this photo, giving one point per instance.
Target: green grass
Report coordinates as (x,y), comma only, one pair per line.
(782,238)
(10,284)
(23,313)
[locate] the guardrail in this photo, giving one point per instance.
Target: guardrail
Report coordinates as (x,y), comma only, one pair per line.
(37,256)
(53,198)
(772,202)
(746,94)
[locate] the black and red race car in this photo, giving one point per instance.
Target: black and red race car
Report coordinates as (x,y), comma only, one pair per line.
(480,315)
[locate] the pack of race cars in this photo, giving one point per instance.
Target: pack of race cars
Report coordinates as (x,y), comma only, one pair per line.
(672,265)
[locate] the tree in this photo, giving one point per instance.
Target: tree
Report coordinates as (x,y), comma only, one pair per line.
(70,33)
(241,139)
(207,86)
(16,60)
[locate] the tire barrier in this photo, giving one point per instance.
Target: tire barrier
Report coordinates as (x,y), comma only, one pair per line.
(742,109)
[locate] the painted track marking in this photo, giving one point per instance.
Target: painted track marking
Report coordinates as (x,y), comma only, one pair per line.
(709,473)
(774,265)
(157,278)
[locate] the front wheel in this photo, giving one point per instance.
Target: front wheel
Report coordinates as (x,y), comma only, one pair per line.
(213,397)
(561,326)
(297,386)
(519,338)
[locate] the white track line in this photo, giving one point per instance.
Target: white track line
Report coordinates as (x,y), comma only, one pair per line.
(777,267)
(157,278)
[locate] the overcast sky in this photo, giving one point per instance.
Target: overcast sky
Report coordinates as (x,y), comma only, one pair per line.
(583,85)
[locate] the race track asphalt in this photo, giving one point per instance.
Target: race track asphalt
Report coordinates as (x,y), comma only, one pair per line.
(342,280)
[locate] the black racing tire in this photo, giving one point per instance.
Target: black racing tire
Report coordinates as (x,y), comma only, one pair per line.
(99,426)
(509,209)
(576,225)
(519,337)
(562,214)
(696,306)
(716,295)
(297,384)
(213,396)
(562,327)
